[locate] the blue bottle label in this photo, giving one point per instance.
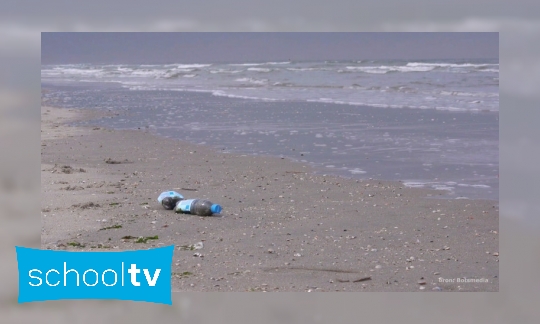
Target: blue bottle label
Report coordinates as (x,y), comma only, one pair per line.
(184,205)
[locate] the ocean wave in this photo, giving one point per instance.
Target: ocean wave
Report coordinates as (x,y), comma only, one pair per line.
(304,69)
(225,71)
(386,68)
(397,106)
(138,88)
(414,68)
(469,94)
(189,66)
(246,64)
(365,69)
(283,84)
(146,73)
(422,67)
(171,74)
(98,81)
(458,65)
(264,70)
(258,64)
(489,70)
(123,69)
(253,81)
(220,93)
(78,71)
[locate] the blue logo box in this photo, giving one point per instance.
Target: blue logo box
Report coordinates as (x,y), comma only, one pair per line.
(143,275)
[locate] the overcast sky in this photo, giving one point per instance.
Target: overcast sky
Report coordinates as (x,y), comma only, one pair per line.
(69,48)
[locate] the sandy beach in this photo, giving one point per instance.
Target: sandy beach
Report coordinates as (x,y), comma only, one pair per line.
(283,227)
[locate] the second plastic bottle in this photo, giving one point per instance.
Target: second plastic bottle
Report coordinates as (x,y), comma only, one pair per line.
(199,207)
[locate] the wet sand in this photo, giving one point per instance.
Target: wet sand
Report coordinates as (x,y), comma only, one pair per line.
(283,228)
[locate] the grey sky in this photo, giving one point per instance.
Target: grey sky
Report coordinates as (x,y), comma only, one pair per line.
(68,48)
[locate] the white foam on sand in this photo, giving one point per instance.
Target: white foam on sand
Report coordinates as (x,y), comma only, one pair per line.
(357,171)
(442,187)
(414,184)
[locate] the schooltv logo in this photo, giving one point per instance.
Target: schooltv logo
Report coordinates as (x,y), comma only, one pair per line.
(143,275)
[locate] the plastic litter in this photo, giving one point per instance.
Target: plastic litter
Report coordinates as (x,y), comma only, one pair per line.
(169,199)
(198,207)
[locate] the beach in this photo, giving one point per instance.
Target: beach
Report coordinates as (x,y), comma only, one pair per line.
(283,227)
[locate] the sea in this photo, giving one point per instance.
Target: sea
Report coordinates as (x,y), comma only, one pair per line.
(428,123)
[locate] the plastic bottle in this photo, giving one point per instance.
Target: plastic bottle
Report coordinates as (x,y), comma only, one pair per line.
(169,199)
(199,207)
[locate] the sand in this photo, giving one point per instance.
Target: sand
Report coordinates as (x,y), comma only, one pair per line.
(283,227)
